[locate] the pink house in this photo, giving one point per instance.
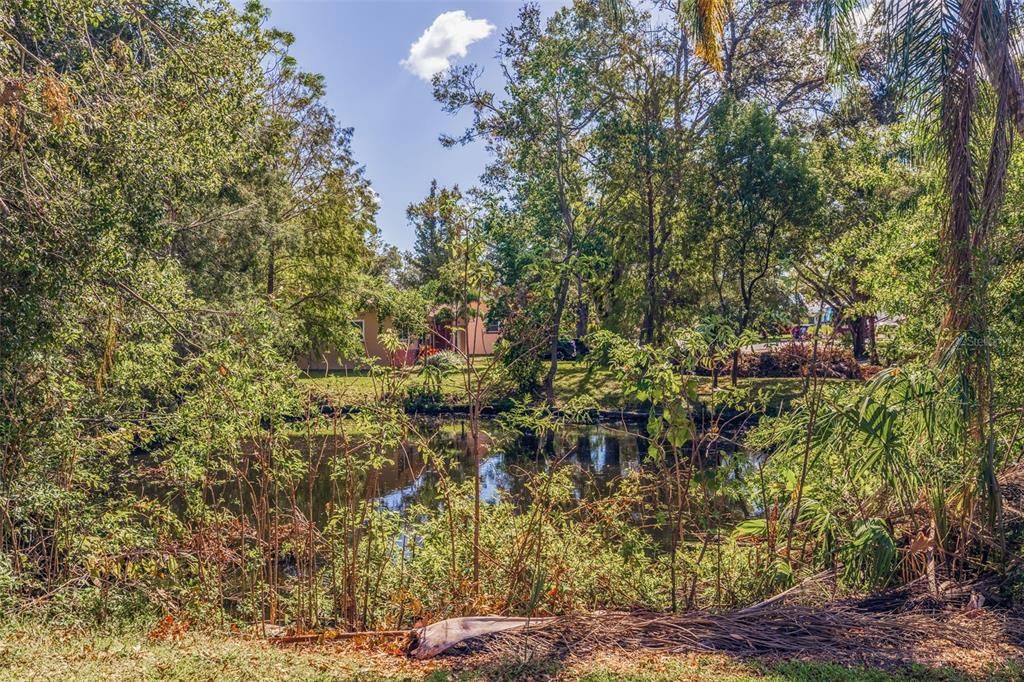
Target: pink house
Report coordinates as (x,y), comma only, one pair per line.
(472,337)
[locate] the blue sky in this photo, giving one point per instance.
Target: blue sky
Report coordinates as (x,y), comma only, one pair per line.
(359,46)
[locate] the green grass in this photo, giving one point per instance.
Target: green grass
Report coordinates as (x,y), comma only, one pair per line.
(48,654)
(40,652)
(574,379)
(357,387)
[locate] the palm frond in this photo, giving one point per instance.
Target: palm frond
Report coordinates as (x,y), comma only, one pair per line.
(996,49)
(919,42)
(837,24)
(707,22)
(1001,52)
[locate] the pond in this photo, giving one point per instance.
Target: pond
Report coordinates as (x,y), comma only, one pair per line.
(596,455)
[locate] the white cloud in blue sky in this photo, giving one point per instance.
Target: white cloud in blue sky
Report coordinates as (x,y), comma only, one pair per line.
(449,36)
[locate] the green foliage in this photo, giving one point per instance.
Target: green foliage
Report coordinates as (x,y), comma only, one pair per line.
(753,206)
(10,584)
(183,216)
(186,216)
(709,343)
(566,557)
(432,219)
(869,558)
(648,375)
(435,367)
(875,451)
(120,141)
(870,194)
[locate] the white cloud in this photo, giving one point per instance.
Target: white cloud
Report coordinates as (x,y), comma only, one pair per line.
(449,36)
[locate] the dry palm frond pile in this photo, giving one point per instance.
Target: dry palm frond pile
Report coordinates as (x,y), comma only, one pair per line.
(888,629)
(836,633)
(783,630)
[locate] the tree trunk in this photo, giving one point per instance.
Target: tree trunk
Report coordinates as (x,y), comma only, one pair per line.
(734,373)
(582,320)
(859,334)
(556,325)
(582,311)
(271,271)
(647,327)
(966,231)
(873,338)
(647,330)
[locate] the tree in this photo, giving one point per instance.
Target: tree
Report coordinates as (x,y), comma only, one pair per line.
(115,122)
(660,110)
(120,119)
(941,57)
(178,213)
(293,216)
(753,207)
(322,257)
(866,184)
(390,264)
(541,134)
(432,221)
(658,113)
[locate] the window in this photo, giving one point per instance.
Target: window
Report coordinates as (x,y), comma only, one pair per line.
(493,327)
(405,336)
(361,326)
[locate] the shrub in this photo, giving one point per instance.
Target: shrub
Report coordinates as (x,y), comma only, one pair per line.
(10,584)
(523,370)
(570,557)
(445,360)
(420,398)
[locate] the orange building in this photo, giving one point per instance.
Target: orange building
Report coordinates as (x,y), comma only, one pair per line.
(473,337)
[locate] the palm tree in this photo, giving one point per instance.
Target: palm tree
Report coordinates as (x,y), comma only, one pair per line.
(954,61)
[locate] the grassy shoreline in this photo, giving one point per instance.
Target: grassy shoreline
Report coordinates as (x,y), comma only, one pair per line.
(575,379)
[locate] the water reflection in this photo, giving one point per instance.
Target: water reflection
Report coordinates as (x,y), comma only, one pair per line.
(596,454)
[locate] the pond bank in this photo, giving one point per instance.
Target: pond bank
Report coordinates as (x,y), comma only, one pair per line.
(593,416)
(574,380)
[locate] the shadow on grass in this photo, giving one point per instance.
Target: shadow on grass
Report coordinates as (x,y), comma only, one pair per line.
(649,667)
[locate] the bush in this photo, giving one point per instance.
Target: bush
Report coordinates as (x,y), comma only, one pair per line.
(522,369)
(582,556)
(445,360)
(419,398)
(10,584)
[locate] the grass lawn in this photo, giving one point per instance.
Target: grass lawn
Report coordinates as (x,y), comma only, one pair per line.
(38,652)
(356,387)
(574,379)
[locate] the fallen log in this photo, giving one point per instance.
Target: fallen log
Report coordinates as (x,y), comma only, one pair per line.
(328,635)
(431,640)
